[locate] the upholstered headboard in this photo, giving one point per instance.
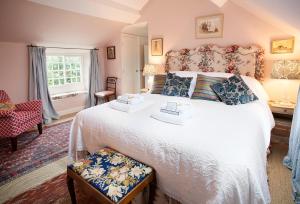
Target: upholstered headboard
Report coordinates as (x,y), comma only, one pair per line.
(212,58)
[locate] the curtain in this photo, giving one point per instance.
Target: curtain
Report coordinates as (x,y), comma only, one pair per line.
(38,82)
(292,160)
(95,83)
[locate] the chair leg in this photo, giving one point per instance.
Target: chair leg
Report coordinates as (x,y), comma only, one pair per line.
(14,143)
(40,128)
(71,189)
(96,101)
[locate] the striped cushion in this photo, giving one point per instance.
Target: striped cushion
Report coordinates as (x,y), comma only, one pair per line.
(203,88)
(158,84)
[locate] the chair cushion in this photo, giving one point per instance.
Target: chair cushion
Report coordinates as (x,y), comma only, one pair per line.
(112,173)
(104,93)
(6,106)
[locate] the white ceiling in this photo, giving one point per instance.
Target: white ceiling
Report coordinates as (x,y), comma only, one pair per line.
(126,11)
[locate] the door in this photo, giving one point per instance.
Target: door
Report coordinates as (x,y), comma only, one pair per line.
(130,64)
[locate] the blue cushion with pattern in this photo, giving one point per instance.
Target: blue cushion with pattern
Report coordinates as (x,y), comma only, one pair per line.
(177,86)
(234,91)
(111,172)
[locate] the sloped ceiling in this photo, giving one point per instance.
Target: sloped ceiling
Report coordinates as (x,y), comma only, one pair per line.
(284,14)
(27,22)
(126,11)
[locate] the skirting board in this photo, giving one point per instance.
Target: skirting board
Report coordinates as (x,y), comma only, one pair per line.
(70,110)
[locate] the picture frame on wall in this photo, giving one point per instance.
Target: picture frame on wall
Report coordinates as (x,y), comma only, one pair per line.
(157,47)
(209,26)
(111,52)
(281,46)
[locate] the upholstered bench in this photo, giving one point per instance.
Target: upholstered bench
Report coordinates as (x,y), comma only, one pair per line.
(110,177)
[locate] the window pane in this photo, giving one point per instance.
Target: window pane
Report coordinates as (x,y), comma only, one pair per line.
(68,74)
(61,66)
(50,74)
(78,73)
(68,80)
(56,82)
(78,66)
(62,81)
(50,66)
(55,66)
(73,66)
(73,79)
(68,66)
(78,79)
(61,74)
(50,82)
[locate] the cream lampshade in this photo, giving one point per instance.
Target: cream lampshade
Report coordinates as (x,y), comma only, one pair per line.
(149,71)
(285,70)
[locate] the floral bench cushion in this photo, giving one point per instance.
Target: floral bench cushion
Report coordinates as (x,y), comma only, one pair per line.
(112,173)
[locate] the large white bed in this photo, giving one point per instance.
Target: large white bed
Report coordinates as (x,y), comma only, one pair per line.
(218,156)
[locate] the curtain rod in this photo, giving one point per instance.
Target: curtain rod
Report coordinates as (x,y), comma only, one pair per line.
(66,48)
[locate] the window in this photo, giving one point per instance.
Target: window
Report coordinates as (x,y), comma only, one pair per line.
(67,71)
(64,70)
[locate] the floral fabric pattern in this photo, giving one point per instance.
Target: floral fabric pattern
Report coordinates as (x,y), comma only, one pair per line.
(211,58)
(234,91)
(177,86)
(111,172)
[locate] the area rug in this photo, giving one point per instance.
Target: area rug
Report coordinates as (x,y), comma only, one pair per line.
(34,151)
(53,191)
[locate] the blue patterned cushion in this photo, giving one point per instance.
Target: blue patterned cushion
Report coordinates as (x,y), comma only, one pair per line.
(234,91)
(177,86)
(111,172)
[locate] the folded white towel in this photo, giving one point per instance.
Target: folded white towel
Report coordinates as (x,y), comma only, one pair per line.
(175,107)
(130,98)
(129,108)
(171,118)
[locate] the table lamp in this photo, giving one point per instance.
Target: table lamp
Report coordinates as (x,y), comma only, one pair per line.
(149,71)
(285,70)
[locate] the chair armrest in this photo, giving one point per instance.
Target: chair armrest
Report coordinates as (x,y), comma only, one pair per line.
(7,113)
(30,106)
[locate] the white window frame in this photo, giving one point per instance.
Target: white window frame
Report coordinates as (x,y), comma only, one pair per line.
(75,87)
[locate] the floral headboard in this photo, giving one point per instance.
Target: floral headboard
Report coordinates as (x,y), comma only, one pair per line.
(212,58)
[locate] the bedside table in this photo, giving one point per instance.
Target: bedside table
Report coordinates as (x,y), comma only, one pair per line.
(283,116)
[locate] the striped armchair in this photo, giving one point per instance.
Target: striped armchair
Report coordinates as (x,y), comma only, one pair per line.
(17,120)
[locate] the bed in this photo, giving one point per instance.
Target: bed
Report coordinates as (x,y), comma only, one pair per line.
(218,156)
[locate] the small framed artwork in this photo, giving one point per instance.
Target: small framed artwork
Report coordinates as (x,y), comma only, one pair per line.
(209,26)
(111,52)
(282,46)
(157,47)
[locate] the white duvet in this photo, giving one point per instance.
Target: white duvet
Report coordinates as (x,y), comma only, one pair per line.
(218,156)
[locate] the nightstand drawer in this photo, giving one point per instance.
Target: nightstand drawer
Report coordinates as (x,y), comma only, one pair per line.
(280,110)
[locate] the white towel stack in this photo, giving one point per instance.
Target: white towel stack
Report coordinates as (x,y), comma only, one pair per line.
(175,112)
(130,99)
(128,103)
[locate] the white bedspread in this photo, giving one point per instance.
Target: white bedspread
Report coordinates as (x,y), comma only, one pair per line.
(219,156)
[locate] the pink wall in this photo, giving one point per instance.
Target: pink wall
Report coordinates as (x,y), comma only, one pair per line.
(24,22)
(175,22)
(14,70)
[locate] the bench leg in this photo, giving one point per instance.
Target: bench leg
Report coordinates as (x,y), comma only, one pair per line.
(152,192)
(71,189)
(14,143)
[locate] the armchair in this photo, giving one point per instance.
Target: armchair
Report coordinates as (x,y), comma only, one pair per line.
(16,121)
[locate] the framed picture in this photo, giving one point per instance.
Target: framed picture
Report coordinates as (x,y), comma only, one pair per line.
(209,26)
(111,52)
(282,46)
(157,47)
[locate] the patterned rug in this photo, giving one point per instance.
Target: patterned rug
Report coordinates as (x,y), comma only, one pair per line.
(34,151)
(53,191)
